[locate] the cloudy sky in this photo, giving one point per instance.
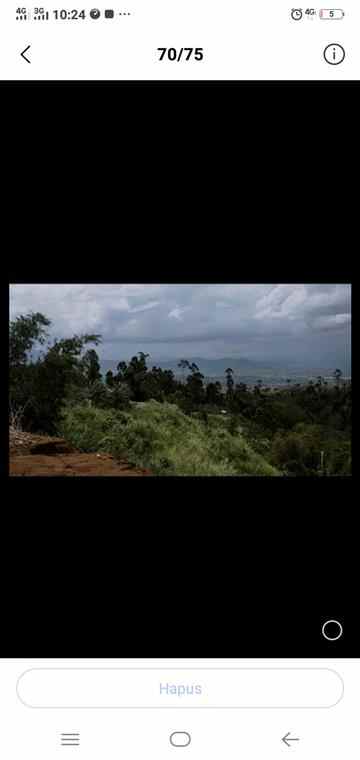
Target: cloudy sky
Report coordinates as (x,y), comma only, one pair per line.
(305,323)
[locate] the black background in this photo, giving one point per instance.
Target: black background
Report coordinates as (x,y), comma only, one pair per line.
(135,571)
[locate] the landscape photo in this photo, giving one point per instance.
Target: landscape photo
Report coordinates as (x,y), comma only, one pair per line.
(147,380)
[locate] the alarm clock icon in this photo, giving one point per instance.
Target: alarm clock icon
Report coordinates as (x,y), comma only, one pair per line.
(296,14)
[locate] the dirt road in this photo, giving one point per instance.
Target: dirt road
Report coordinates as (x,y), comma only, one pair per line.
(45,456)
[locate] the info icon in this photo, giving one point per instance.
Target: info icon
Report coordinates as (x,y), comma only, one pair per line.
(95,13)
(334,54)
(109,14)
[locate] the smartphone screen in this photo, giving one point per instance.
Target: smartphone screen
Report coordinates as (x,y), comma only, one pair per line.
(158,40)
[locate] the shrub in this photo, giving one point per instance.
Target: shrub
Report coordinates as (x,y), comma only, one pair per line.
(160,437)
(86,427)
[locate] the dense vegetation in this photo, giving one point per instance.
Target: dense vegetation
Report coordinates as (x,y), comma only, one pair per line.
(161,437)
(176,426)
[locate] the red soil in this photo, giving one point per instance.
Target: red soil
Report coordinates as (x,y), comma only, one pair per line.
(44,456)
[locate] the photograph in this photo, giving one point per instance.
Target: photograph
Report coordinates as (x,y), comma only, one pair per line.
(180,379)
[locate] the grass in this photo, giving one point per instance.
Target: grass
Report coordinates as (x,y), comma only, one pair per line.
(164,440)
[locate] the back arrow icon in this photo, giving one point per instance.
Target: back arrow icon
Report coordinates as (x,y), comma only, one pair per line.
(23,54)
(286,739)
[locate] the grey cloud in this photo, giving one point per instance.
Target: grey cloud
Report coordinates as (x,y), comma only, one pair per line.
(332,322)
(263,320)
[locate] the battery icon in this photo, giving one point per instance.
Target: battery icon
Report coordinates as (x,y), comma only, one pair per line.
(329,14)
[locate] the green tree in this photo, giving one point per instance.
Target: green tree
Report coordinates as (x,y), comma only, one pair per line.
(60,374)
(24,332)
(241,399)
(214,394)
(109,379)
(120,396)
(299,452)
(194,384)
(160,383)
(43,384)
(134,374)
(183,365)
(229,383)
(121,375)
(91,365)
(104,397)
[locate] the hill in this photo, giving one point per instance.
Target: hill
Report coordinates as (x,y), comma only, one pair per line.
(159,437)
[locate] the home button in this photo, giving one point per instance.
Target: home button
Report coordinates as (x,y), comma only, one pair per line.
(180,739)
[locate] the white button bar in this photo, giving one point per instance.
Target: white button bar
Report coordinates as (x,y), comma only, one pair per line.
(176,687)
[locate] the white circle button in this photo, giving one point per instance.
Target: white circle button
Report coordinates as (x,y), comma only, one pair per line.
(334,54)
(332,630)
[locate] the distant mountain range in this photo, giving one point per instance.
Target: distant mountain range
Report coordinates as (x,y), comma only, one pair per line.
(241,366)
(206,366)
